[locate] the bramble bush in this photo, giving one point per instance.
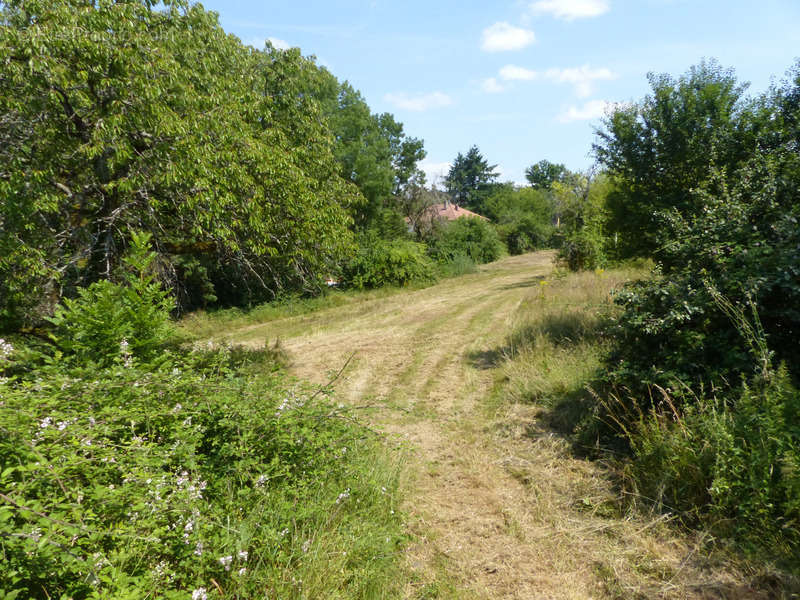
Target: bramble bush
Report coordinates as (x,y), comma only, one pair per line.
(145,472)
(129,482)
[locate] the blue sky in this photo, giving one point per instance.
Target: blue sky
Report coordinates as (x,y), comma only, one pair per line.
(522,80)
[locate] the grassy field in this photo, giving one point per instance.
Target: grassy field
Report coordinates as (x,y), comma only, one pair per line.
(474,382)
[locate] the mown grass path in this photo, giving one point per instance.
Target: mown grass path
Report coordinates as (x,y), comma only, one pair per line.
(497,506)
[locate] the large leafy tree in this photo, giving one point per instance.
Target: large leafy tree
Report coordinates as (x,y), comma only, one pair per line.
(470,178)
(372,150)
(661,149)
(124,116)
(738,255)
(544,174)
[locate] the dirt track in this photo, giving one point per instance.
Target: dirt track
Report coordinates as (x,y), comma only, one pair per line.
(495,512)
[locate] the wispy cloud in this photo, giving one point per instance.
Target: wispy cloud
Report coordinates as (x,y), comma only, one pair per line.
(418,102)
(593,109)
(258,42)
(435,172)
(502,37)
(515,73)
(279,43)
(569,10)
(580,77)
(492,86)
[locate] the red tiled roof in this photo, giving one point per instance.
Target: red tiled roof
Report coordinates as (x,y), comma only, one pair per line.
(451,212)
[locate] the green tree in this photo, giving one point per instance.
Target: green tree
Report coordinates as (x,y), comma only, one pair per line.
(662,149)
(126,116)
(372,150)
(543,174)
(524,217)
(470,178)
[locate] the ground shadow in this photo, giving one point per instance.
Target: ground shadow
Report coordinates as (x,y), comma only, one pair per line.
(488,359)
(532,282)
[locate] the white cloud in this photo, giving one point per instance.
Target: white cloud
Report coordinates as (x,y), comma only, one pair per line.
(435,172)
(580,77)
(279,43)
(418,102)
(593,109)
(570,9)
(502,37)
(492,86)
(512,73)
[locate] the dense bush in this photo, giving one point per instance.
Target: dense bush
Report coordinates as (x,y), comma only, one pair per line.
(129,483)
(380,262)
(721,311)
(108,321)
(474,238)
(131,471)
(523,217)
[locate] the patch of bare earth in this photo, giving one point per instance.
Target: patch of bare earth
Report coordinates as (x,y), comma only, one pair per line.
(497,505)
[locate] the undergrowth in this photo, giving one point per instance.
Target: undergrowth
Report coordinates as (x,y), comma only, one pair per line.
(191,472)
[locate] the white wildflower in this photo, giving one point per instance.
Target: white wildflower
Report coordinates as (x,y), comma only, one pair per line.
(226,561)
(343,496)
(306,545)
(242,571)
(262,479)
(200,594)
(125,353)
(285,532)
(243,555)
(5,349)
(45,423)
(198,549)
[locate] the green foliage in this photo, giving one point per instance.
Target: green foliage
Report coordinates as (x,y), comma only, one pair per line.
(583,249)
(127,473)
(121,117)
(110,322)
(580,204)
(733,464)
(662,148)
(544,174)
(712,425)
(470,178)
(380,262)
(473,238)
(132,483)
(372,150)
(523,217)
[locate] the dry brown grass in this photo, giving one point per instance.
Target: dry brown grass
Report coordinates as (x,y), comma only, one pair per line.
(497,505)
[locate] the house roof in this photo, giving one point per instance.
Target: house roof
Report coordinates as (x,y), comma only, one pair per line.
(451,212)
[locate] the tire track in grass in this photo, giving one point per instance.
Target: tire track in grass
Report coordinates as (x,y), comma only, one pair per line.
(493,513)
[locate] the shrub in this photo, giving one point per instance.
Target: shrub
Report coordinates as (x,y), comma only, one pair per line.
(380,262)
(139,482)
(109,321)
(583,250)
(474,238)
(459,265)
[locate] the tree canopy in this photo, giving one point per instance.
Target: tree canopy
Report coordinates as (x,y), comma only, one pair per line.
(136,116)
(662,148)
(543,174)
(470,177)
